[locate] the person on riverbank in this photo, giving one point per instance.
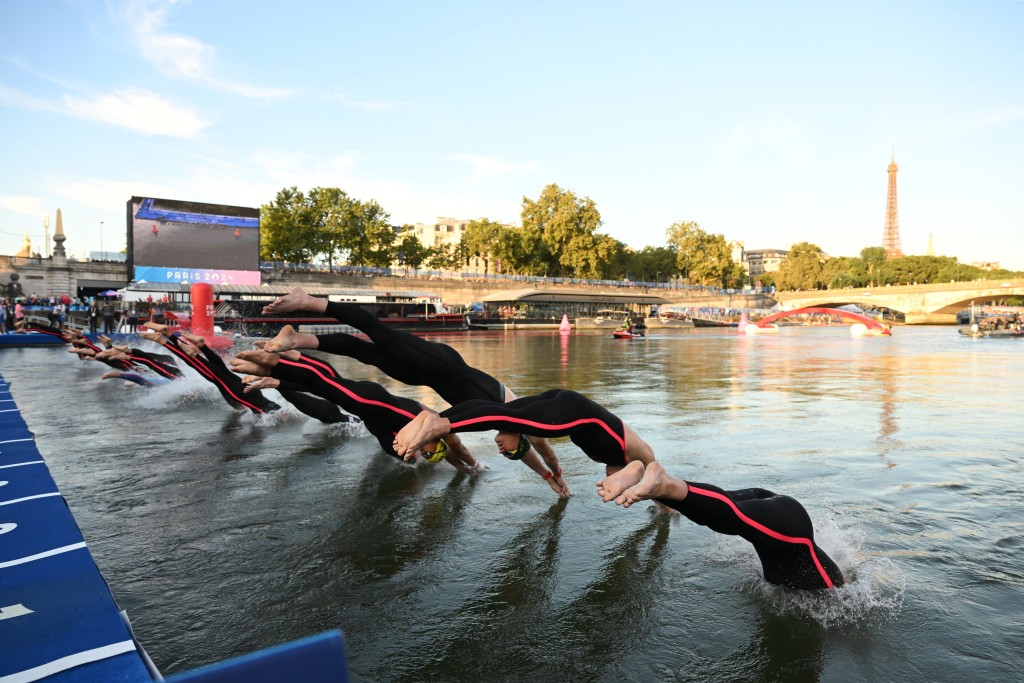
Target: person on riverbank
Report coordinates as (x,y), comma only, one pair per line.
(94,317)
(402,356)
(107,312)
(777,526)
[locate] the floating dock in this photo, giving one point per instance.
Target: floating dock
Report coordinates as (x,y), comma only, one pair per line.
(59,622)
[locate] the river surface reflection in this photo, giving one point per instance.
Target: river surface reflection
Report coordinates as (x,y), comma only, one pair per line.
(221,534)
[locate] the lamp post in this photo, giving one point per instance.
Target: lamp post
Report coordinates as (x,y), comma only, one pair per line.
(101,242)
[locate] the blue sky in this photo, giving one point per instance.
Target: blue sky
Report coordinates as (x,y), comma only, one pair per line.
(768,122)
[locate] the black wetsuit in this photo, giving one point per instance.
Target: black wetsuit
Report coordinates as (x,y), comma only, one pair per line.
(408,358)
(213,369)
(777,526)
(159,363)
(320,409)
(382,412)
(557,412)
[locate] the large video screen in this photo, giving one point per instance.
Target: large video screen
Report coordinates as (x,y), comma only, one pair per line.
(189,242)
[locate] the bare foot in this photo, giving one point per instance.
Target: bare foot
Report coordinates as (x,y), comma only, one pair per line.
(257,356)
(248,367)
(256,382)
(296,300)
(612,486)
(426,427)
(656,483)
(113,374)
(284,341)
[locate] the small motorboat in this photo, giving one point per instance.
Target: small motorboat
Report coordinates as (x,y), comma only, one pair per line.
(626,334)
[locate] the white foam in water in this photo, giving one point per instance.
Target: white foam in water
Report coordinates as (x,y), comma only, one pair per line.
(189,388)
(874,589)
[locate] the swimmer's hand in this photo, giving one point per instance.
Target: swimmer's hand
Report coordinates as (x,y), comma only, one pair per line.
(253,382)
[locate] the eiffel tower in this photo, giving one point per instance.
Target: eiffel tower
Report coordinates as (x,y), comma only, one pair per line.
(891,236)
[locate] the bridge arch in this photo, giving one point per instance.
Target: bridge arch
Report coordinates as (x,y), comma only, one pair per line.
(870,323)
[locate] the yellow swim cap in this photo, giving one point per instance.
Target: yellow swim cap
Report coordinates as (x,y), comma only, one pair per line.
(439,453)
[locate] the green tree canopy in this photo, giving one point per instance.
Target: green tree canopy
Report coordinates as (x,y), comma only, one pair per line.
(704,258)
(804,268)
(559,226)
(411,252)
(325,223)
(288,230)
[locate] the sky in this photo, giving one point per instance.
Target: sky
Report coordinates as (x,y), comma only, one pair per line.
(770,123)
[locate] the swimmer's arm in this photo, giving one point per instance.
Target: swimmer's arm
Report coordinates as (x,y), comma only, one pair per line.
(551,460)
(533,461)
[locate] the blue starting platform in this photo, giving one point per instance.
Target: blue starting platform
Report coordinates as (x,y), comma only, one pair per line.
(59,622)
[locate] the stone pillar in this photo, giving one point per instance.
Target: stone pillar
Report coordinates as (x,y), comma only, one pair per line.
(59,278)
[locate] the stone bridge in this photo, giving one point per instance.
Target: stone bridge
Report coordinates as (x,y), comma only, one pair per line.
(921,304)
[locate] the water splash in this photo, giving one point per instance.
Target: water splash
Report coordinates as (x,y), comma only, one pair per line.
(874,590)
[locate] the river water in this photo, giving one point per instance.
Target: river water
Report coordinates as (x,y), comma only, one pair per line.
(221,533)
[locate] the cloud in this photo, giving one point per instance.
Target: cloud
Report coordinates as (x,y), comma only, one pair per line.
(16,99)
(996,117)
(376,106)
(776,138)
(26,206)
(484,167)
(138,110)
(180,56)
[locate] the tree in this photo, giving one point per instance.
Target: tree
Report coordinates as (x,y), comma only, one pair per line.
(874,262)
(802,269)
(368,234)
(703,258)
(482,239)
(560,227)
(329,207)
(288,230)
(412,252)
(444,256)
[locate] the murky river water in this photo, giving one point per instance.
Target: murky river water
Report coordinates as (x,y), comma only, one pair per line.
(220,533)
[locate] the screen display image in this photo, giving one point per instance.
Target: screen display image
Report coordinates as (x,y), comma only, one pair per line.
(181,241)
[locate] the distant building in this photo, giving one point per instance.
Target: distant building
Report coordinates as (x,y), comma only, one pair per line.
(758,261)
(987,265)
(445,231)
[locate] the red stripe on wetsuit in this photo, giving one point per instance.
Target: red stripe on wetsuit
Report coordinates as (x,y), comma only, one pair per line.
(765,530)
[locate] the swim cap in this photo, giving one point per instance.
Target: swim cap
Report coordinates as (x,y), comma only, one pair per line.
(439,453)
(521,449)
